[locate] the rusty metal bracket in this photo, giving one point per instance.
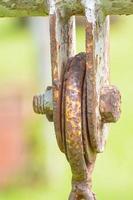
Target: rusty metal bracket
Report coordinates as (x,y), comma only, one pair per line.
(84,102)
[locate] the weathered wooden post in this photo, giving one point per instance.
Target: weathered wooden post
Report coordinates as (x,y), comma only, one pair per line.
(81,101)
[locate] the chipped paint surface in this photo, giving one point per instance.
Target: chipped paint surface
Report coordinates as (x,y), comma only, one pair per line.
(52,7)
(62,34)
(90,9)
(97,29)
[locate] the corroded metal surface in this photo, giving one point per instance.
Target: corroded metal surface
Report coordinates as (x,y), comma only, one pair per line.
(97,69)
(56,81)
(76,134)
(83,100)
(110,100)
(62,35)
(77,138)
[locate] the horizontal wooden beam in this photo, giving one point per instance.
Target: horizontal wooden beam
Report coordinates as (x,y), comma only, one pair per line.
(20,8)
(117,7)
(67,8)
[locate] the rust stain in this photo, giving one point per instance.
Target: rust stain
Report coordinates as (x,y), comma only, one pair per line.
(79,110)
(83,100)
(56,81)
(76,134)
(91,84)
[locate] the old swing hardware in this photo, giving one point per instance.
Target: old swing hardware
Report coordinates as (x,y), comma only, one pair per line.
(81,101)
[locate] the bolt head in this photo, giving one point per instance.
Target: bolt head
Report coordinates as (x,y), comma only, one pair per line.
(110,101)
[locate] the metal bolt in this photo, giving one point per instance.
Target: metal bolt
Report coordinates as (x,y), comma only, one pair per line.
(110,100)
(43,104)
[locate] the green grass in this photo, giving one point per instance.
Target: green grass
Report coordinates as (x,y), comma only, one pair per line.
(113,176)
(16,52)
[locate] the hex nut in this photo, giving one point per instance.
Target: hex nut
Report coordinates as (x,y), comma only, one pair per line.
(110,101)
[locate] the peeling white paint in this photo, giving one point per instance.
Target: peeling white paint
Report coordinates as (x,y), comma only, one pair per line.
(52,7)
(89,9)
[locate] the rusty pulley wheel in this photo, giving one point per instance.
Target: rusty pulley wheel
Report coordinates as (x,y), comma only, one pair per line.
(74,128)
(82,102)
(74,134)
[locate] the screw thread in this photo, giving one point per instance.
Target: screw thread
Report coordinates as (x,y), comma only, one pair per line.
(38,104)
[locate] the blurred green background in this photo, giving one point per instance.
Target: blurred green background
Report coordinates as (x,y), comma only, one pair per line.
(46,174)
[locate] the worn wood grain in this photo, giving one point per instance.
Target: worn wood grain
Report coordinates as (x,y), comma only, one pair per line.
(67,8)
(18,8)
